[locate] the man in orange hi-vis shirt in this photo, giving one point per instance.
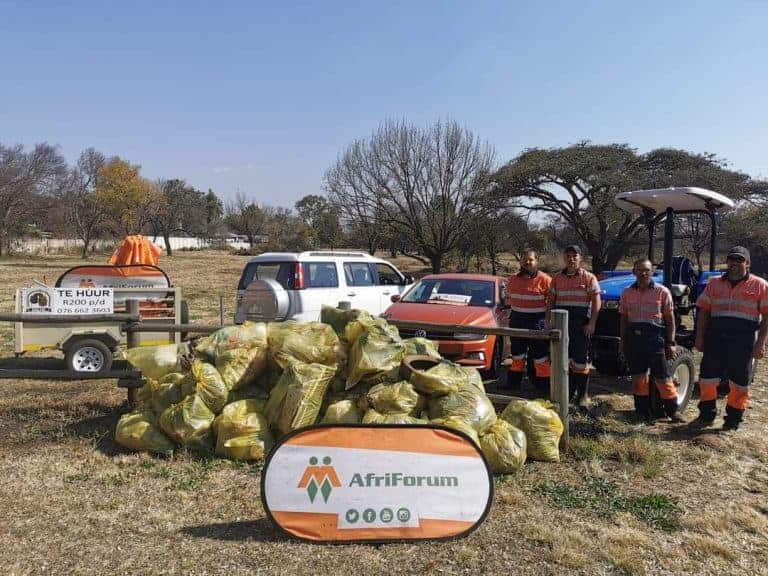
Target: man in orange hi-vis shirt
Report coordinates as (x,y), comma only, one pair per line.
(648,339)
(527,293)
(732,308)
(577,291)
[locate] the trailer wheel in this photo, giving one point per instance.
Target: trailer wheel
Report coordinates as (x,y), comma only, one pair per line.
(88,355)
(683,373)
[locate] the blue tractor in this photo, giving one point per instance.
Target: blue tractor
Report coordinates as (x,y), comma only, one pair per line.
(677,273)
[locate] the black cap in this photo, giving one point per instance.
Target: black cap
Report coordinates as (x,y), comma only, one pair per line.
(575,248)
(738,253)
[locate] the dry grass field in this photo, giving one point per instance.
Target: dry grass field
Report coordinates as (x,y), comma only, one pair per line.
(626,499)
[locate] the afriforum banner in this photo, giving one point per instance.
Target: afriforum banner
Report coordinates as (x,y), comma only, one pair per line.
(376,483)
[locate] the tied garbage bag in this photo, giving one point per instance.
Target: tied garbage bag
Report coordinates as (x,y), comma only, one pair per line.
(375,355)
(359,326)
(458,424)
(504,446)
(542,427)
(474,378)
(189,423)
(444,378)
(157,396)
(209,385)
(339,319)
(246,335)
(392,398)
(343,412)
(421,347)
(310,343)
(241,366)
(139,431)
(156,361)
(242,431)
(468,404)
(373,417)
(296,400)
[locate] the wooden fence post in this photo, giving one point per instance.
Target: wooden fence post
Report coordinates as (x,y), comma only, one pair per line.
(558,354)
(132,340)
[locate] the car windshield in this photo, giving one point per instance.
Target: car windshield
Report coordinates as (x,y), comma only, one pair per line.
(452,291)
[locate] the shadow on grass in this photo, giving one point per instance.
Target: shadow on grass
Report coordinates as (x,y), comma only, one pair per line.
(260,529)
(91,421)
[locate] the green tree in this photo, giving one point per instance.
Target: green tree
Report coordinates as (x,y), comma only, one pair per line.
(214,212)
(577,185)
(128,199)
(180,208)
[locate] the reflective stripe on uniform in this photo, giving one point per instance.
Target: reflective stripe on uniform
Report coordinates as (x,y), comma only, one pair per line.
(575,290)
(528,294)
(645,305)
(746,300)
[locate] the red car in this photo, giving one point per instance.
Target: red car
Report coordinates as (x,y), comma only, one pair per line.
(466,299)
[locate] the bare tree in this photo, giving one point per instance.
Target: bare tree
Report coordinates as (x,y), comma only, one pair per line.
(425,186)
(25,178)
(84,214)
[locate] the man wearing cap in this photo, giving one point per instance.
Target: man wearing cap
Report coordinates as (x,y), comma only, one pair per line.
(732,309)
(527,293)
(577,291)
(648,339)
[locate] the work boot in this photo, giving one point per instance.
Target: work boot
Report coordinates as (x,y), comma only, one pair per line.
(672,411)
(677,418)
(729,425)
(581,385)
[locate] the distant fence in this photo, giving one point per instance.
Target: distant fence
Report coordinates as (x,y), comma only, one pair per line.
(43,246)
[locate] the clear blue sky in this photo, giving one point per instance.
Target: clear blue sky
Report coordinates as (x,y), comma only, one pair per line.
(262,96)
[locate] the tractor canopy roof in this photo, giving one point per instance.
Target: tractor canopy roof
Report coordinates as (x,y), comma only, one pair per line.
(683,199)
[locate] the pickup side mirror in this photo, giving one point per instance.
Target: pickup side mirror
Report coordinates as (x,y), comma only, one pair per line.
(394,298)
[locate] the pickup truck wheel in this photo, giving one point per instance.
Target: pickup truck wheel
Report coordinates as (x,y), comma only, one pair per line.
(683,373)
(88,355)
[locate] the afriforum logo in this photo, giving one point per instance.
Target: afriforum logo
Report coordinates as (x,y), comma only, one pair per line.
(318,478)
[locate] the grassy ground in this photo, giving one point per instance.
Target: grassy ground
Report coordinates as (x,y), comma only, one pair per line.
(626,499)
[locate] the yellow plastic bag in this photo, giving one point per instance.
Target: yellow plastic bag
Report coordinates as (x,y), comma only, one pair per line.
(246,335)
(542,427)
(296,400)
(139,431)
(373,417)
(444,378)
(241,366)
(189,423)
(242,431)
(468,404)
(421,347)
(358,326)
(310,343)
(375,354)
(504,446)
(157,396)
(343,412)
(209,385)
(458,424)
(392,398)
(154,361)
